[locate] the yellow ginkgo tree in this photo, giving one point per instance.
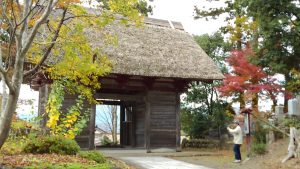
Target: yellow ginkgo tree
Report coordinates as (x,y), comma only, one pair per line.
(37,30)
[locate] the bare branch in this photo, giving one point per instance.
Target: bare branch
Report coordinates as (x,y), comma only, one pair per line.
(27,12)
(80,16)
(13,13)
(107,121)
(4,7)
(12,27)
(37,25)
(46,54)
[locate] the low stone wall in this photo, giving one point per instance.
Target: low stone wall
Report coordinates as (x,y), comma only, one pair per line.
(200,143)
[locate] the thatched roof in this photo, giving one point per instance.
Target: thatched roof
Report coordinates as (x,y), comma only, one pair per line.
(157,50)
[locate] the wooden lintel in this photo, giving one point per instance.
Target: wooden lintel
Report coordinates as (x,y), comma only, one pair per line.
(181,85)
(163,130)
(110,102)
(209,81)
(149,82)
(117,89)
(123,97)
(122,81)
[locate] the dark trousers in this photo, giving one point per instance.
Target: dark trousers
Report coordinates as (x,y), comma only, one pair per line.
(237,152)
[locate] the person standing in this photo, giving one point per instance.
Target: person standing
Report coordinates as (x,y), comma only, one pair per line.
(237,133)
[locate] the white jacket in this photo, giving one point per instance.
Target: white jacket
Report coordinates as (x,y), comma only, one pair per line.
(237,134)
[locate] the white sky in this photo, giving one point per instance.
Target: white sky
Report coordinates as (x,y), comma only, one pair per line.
(183,11)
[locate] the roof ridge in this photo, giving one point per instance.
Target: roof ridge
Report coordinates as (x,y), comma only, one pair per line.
(163,23)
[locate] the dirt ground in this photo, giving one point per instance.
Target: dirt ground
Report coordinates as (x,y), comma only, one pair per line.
(224,159)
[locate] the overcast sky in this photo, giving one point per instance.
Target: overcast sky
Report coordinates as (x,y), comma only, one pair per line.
(183,11)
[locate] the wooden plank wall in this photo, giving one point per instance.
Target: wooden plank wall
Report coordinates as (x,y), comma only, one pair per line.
(87,136)
(139,111)
(162,119)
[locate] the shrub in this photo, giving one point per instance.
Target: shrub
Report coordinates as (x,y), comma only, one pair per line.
(260,133)
(259,148)
(199,143)
(106,141)
(21,128)
(52,144)
(92,155)
(12,146)
(278,135)
(291,122)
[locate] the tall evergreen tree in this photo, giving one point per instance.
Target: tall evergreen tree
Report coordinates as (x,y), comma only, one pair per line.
(202,106)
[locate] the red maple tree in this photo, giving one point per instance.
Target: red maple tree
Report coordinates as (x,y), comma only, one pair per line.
(248,79)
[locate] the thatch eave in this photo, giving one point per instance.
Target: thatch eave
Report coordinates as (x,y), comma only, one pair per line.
(156,50)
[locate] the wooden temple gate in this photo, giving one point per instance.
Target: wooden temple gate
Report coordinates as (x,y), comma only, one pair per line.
(149,110)
(153,65)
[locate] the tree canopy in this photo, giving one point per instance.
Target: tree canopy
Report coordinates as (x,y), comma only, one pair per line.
(272,27)
(245,80)
(35,30)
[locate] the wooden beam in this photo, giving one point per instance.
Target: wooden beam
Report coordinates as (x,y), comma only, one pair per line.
(178,147)
(92,127)
(149,82)
(123,97)
(109,102)
(181,85)
(147,123)
(122,80)
(164,130)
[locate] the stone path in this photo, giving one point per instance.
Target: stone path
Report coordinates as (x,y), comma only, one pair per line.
(160,163)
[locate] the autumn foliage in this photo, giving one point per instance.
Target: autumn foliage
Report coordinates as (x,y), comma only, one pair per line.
(247,79)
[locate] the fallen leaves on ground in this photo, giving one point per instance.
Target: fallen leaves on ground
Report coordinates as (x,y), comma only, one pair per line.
(23,160)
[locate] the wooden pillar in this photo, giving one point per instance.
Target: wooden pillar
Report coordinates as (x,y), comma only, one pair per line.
(122,119)
(41,108)
(133,127)
(92,127)
(43,99)
(147,122)
(178,126)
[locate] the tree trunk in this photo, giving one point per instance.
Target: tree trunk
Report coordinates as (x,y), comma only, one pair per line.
(114,124)
(274,105)
(255,104)
(294,145)
(6,116)
(241,100)
(285,104)
(4,93)
(11,103)
(238,28)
